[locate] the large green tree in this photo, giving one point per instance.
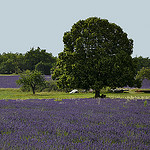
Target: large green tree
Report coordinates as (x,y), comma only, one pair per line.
(31,79)
(96,54)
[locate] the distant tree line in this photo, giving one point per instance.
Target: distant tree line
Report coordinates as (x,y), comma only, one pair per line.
(142,62)
(39,59)
(35,59)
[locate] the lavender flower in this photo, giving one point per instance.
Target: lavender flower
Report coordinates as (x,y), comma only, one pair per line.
(74,124)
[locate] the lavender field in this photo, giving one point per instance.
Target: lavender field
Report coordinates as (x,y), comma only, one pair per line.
(75,124)
(10,81)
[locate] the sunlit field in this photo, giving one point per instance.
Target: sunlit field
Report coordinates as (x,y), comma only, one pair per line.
(13,93)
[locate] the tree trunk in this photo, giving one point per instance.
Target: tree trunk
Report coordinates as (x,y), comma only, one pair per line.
(33,90)
(97,93)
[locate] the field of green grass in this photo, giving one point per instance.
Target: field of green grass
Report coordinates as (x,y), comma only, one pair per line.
(18,94)
(8,74)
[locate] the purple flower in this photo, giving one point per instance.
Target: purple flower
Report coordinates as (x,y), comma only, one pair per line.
(77,124)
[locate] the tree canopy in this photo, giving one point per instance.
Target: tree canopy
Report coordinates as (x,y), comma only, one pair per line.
(35,56)
(96,54)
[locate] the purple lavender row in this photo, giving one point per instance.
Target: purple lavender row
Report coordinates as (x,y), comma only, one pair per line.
(145,84)
(10,81)
(78,124)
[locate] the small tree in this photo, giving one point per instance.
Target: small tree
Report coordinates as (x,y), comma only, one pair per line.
(31,80)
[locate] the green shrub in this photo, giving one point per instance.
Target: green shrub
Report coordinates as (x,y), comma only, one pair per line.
(145,103)
(25,88)
(51,86)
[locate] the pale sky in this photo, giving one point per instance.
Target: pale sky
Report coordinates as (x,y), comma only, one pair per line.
(41,23)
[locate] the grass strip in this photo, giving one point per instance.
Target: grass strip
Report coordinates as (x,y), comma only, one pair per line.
(12,93)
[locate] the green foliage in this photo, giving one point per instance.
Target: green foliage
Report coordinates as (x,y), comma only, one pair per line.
(142,62)
(7,67)
(144,73)
(96,54)
(11,63)
(145,103)
(137,83)
(51,86)
(31,80)
(35,56)
(43,67)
